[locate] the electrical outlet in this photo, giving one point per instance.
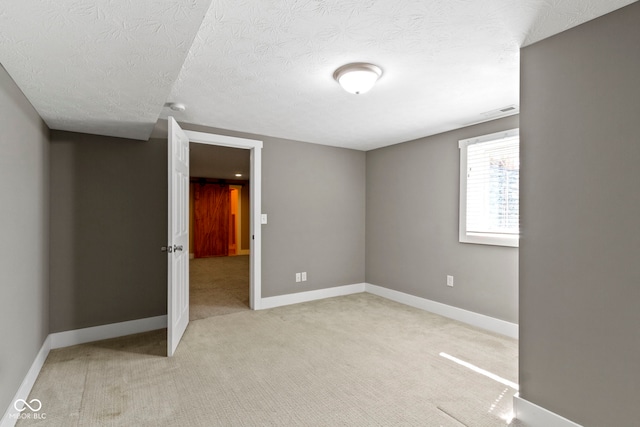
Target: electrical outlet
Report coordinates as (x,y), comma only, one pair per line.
(298,277)
(304,276)
(450,281)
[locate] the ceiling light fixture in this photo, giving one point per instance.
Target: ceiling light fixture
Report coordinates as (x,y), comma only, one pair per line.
(357,78)
(238,174)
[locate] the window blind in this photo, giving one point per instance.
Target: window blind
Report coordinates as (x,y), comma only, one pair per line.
(493,186)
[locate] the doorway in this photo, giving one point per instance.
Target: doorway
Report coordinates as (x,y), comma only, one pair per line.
(219,247)
(178,168)
(255,188)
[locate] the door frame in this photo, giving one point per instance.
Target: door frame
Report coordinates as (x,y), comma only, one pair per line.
(255,202)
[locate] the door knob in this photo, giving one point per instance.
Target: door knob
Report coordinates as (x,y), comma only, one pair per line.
(170,249)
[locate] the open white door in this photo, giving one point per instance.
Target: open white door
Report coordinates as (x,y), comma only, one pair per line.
(178,244)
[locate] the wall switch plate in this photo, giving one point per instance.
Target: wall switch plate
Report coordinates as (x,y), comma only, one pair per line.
(304,276)
(298,277)
(263,218)
(450,281)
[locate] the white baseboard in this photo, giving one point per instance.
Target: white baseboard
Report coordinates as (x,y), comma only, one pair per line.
(475,319)
(280,300)
(532,415)
(103,332)
(11,415)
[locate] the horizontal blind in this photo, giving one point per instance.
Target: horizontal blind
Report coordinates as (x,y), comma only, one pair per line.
(493,186)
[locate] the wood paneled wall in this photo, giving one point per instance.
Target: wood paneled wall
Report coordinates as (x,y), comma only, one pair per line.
(211,220)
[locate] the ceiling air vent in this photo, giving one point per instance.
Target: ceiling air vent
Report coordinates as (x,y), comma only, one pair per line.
(505,111)
(500,112)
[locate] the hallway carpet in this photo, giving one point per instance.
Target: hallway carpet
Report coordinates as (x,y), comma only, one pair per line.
(218,286)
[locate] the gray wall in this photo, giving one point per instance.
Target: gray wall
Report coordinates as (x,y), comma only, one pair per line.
(314,196)
(412,228)
(580,247)
(108,217)
(24,218)
(108,222)
(315,199)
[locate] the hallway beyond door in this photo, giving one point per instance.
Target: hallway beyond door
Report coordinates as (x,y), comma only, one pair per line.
(218,286)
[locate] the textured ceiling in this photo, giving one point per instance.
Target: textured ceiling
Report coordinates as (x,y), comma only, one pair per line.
(266,66)
(98,66)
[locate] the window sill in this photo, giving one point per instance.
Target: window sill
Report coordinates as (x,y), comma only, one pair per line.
(490,239)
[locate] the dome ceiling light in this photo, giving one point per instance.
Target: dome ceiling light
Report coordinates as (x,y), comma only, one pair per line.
(357,78)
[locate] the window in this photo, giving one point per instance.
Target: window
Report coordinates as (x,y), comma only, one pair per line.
(490,189)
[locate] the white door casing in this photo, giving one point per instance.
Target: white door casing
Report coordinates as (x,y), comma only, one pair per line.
(255,195)
(178,236)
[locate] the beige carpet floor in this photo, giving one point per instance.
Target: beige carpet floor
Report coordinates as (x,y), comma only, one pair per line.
(357,360)
(218,286)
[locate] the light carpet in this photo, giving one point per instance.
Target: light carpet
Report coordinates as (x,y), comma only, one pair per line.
(218,286)
(357,360)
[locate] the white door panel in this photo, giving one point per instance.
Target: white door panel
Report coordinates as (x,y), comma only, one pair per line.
(178,244)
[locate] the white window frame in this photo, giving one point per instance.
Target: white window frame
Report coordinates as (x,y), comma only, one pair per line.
(480,238)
